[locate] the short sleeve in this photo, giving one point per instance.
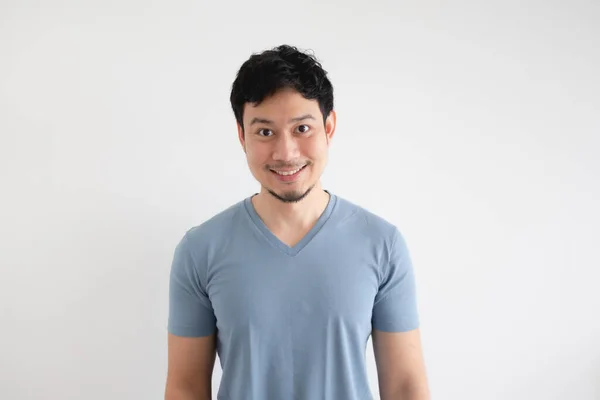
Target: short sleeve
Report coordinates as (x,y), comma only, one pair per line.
(395,305)
(190,310)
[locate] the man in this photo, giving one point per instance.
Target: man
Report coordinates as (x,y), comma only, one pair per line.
(288,284)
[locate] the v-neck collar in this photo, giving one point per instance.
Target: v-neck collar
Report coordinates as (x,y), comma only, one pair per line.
(275,241)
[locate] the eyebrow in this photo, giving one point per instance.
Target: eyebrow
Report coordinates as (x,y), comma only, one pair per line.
(257,120)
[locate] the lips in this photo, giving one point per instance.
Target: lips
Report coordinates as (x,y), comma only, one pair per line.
(287,175)
(287,172)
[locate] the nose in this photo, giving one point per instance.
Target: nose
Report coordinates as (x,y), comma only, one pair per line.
(286,148)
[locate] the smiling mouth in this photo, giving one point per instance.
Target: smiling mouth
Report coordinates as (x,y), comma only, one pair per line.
(288,172)
(287,175)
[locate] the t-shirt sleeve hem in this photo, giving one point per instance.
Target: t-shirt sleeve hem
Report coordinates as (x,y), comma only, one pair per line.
(396,326)
(187,331)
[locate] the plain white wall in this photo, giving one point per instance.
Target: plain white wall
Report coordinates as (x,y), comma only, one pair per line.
(474,126)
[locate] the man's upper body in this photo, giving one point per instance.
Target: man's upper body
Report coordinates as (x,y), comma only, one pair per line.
(287,285)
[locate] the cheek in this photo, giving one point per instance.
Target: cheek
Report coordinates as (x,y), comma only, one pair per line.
(256,156)
(317,151)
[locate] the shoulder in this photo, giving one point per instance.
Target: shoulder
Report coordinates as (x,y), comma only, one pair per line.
(371,232)
(210,235)
(219,223)
(354,216)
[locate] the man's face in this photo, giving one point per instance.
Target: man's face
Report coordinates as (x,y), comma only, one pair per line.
(286,143)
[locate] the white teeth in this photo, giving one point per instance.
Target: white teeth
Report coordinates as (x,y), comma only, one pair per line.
(285,173)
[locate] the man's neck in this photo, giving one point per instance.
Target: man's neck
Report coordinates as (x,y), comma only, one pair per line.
(284,217)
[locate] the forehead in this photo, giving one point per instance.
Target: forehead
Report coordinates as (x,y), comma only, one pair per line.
(281,107)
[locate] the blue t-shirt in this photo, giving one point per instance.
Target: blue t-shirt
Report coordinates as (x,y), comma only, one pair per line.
(292,322)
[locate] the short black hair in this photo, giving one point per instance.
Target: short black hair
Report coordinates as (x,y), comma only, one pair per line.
(281,67)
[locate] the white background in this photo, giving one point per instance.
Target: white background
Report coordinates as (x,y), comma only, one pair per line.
(473,126)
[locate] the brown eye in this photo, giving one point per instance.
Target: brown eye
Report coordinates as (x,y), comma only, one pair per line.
(303,128)
(265,132)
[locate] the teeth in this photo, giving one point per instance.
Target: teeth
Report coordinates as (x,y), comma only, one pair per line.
(285,173)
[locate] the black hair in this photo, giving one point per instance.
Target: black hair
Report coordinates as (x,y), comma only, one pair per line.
(282,67)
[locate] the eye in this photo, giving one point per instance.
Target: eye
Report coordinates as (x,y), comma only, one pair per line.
(303,128)
(265,132)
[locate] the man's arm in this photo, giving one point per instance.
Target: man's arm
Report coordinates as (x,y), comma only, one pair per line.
(400,365)
(191,326)
(190,367)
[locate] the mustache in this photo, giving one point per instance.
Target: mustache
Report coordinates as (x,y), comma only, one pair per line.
(288,165)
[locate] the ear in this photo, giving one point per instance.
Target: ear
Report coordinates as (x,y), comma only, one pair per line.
(330,124)
(241,136)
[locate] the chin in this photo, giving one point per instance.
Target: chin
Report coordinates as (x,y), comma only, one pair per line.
(290,196)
